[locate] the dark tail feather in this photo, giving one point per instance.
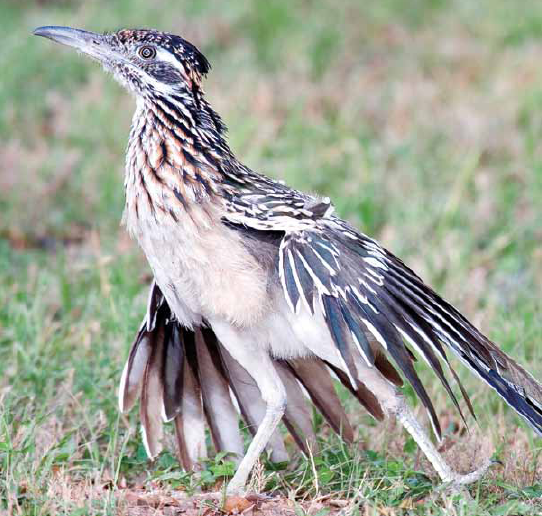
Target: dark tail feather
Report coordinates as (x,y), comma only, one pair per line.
(172,370)
(186,376)
(364,395)
(221,414)
(152,397)
(190,423)
(134,371)
(298,415)
(315,377)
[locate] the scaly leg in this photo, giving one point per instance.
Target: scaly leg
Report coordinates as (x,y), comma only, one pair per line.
(272,417)
(411,425)
(394,404)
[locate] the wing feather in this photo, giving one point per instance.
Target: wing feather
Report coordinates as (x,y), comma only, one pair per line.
(376,293)
(350,281)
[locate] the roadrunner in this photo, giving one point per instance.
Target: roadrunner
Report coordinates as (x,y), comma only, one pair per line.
(256,280)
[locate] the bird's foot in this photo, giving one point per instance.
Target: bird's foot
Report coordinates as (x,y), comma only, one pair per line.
(456,481)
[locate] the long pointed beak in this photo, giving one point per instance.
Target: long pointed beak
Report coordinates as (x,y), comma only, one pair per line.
(90,43)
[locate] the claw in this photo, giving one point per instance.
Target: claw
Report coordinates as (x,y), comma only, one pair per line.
(457,482)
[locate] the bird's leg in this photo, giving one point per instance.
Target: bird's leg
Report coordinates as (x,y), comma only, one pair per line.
(258,363)
(395,405)
(273,414)
(406,417)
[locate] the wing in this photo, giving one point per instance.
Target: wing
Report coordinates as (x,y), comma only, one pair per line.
(334,269)
(362,289)
(325,264)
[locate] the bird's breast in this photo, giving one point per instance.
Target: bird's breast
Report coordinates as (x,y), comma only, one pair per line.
(202,267)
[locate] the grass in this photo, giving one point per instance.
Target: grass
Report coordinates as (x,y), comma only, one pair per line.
(422,121)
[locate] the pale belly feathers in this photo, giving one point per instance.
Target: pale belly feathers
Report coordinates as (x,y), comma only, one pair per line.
(204,272)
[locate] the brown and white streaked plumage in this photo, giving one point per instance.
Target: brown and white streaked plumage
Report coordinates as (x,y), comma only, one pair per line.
(254,271)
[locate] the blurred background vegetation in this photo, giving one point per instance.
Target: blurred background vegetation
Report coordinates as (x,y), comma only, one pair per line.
(421,119)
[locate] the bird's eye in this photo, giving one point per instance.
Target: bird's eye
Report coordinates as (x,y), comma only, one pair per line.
(147,52)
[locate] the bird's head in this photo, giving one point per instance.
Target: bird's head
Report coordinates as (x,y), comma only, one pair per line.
(147,62)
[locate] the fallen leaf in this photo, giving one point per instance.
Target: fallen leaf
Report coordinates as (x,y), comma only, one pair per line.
(236,505)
